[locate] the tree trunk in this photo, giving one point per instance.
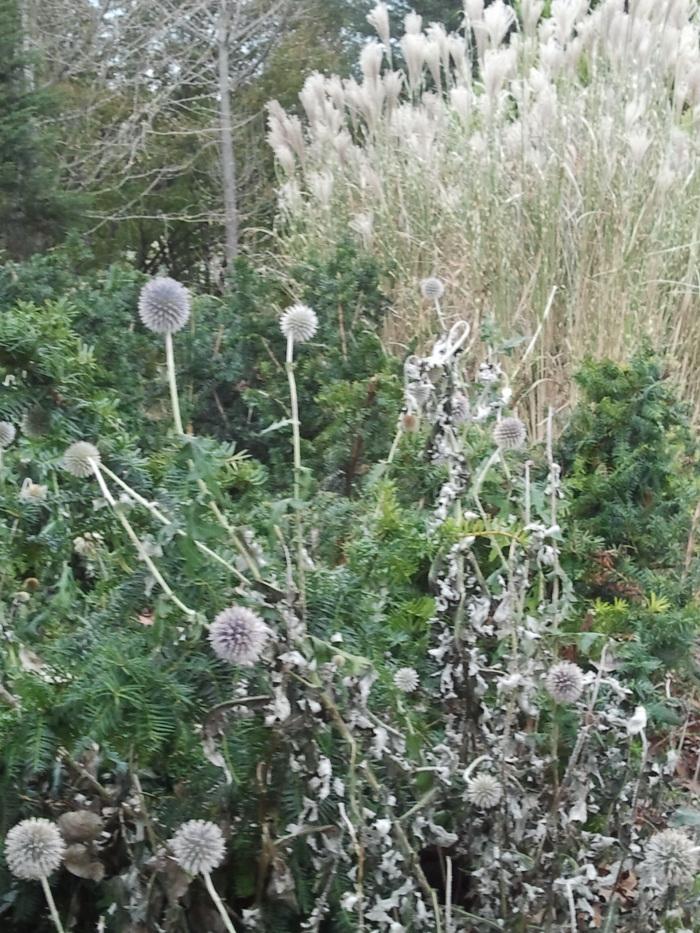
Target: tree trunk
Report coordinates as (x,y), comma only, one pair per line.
(226,154)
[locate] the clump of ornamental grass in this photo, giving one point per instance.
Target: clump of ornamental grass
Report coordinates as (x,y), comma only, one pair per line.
(199,848)
(508,140)
(164,308)
(34,849)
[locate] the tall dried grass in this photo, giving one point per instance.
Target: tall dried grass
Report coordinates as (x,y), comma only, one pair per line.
(546,168)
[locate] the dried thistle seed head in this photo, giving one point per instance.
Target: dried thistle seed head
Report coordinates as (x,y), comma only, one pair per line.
(80,825)
(460,408)
(239,636)
(484,791)
(77,459)
(510,434)
(7,433)
(33,849)
(164,305)
(564,682)
(671,859)
(299,322)
(198,846)
(406,679)
(432,289)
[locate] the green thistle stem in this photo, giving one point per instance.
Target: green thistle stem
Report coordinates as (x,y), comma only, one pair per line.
(296,439)
(172,381)
(213,893)
(52,905)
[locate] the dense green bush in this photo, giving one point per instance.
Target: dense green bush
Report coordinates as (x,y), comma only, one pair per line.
(413,634)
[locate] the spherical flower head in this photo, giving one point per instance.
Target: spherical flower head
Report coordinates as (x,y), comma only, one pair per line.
(33,849)
(164,305)
(672,859)
(299,323)
(77,459)
(239,636)
(7,433)
(432,289)
(406,679)
(460,408)
(564,682)
(198,846)
(484,791)
(510,434)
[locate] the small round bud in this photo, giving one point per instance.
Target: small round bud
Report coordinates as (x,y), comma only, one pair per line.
(33,849)
(565,682)
(406,679)
(299,322)
(432,289)
(484,791)
(198,846)
(77,459)
(510,434)
(164,305)
(239,636)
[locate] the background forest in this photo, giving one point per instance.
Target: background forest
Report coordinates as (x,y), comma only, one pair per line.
(348,466)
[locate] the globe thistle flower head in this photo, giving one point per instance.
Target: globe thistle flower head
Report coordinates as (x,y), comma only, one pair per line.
(164,305)
(299,323)
(671,859)
(77,459)
(198,846)
(484,791)
(564,682)
(406,679)
(238,636)
(432,289)
(33,849)
(510,434)
(460,408)
(7,433)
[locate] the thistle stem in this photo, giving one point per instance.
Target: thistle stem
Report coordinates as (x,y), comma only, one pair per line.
(52,905)
(170,359)
(213,893)
(136,541)
(294,401)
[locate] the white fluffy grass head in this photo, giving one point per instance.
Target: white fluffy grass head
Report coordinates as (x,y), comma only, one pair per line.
(198,846)
(77,459)
(164,305)
(238,635)
(34,849)
(299,323)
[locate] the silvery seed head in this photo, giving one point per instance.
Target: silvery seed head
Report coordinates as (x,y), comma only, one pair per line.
(299,322)
(33,849)
(239,636)
(432,289)
(510,434)
(164,305)
(7,433)
(671,859)
(198,846)
(484,791)
(406,679)
(76,459)
(564,682)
